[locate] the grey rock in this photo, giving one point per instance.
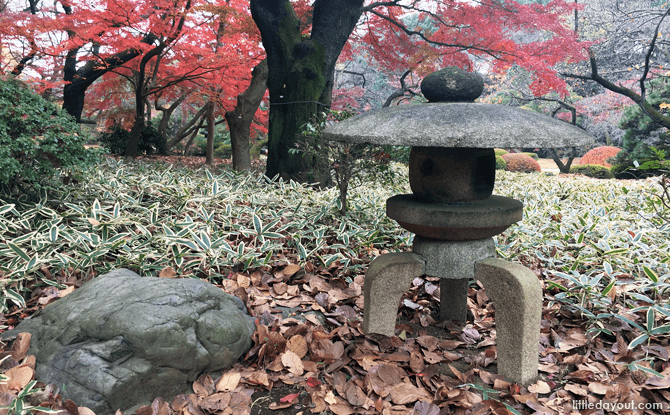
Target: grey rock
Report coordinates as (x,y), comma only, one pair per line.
(452,84)
(121,339)
(457,125)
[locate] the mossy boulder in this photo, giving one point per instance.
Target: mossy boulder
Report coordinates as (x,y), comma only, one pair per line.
(592,170)
(519,162)
(599,156)
(121,340)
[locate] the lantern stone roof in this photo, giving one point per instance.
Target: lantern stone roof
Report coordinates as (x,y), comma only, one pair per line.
(464,124)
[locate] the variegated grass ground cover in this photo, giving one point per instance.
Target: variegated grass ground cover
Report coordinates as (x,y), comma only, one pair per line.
(597,244)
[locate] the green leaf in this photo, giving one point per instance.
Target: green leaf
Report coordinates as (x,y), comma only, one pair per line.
(609,287)
(18,251)
(661,330)
(608,268)
(258,225)
(188,243)
(615,251)
(6,208)
(31,264)
(650,273)
(15,297)
(652,372)
(53,233)
(638,340)
(650,318)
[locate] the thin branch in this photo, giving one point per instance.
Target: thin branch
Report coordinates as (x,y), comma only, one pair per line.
(647,58)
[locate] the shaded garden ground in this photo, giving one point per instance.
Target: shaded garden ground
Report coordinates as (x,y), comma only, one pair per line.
(596,246)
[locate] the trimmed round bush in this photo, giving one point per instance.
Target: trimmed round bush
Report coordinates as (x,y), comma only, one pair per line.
(592,170)
(521,163)
(41,145)
(599,156)
(500,151)
(500,163)
(532,155)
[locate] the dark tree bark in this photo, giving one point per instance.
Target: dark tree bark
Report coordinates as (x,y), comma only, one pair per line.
(240,118)
(78,80)
(194,133)
(404,90)
(141,88)
(188,128)
(167,113)
(209,152)
(300,77)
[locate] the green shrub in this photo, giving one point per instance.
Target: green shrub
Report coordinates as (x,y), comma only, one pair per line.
(256,149)
(629,168)
(500,151)
(151,141)
(40,144)
(534,156)
(592,170)
(500,163)
(225,151)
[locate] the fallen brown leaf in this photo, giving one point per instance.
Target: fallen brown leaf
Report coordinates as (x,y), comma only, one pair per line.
(292,362)
(291,269)
(297,345)
(215,402)
(404,393)
(540,387)
(228,381)
(203,386)
(19,377)
(167,272)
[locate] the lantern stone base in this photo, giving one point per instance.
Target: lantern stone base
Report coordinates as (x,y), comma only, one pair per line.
(463,221)
(513,288)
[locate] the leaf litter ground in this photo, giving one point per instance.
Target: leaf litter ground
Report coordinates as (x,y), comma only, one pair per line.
(311,356)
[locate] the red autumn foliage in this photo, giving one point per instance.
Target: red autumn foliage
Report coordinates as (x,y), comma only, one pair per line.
(600,155)
(520,163)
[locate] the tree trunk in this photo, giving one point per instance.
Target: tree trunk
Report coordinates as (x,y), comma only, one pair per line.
(193,135)
(186,129)
(240,118)
(563,168)
(209,152)
(78,80)
(300,76)
(141,90)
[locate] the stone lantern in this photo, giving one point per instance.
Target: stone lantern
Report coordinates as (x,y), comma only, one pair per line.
(452,210)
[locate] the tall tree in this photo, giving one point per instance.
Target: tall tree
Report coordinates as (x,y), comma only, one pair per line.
(302,57)
(629,67)
(301,69)
(240,118)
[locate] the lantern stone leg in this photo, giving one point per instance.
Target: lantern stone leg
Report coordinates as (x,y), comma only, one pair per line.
(453,262)
(517,297)
(386,279)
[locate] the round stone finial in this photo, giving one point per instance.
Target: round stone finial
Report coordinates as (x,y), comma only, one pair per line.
(452,84)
